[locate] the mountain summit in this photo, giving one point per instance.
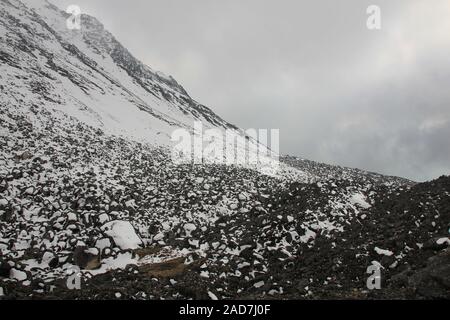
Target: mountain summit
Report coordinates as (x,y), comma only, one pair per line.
(88,74)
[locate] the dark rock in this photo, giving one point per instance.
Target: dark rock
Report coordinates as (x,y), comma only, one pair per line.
(433,244)
(26,155)
(50,258)
(5,268)
(433,281)
(86,259)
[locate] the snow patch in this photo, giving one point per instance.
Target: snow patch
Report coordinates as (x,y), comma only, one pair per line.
(360,199)
(123,234)
(442,241)
(383,252)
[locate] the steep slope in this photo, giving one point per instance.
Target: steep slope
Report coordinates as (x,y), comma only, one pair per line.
(87,73)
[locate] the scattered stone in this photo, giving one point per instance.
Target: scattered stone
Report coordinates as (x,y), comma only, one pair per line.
(18,274)
(189,228)
(123,234)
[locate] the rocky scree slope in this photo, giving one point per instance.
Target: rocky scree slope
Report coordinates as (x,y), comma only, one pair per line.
(135,224)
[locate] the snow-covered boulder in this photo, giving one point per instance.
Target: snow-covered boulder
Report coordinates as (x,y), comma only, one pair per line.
(123,234)
(18,275)
(103,243)
(189,228)
(50,259)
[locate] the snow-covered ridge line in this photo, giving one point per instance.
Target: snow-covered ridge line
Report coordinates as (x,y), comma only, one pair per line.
(88,74)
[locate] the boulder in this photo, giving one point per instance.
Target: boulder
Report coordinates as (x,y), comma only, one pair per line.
(50,258)
(103,243)
(123,234)
(189,228)
(18,275)
(25,155)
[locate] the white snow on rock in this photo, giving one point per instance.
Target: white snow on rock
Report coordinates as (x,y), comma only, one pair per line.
(17,274)
(71,216)
(166,226)
(159,236)
(360,199)
(131,204)
(242,197)
(309,234)
(189,227)
(48,257)
(443,240)
(103,243)
(377,264)
(93,251)
(123,234)
(103,218)
(119,262)
(212,296)
(383,252)
(259,284)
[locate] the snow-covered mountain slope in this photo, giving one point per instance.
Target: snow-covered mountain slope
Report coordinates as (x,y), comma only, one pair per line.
(74,197)
(326,172)
(87,182)
(88,74)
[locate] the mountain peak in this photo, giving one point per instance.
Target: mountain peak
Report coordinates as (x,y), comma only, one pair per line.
(92,75)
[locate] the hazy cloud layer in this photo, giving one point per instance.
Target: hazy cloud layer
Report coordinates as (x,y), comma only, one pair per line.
(339,93)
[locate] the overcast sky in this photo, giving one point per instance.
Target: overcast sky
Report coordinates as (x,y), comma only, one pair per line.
(338,92)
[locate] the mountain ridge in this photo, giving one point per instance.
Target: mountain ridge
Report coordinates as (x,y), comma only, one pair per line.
(93,70)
